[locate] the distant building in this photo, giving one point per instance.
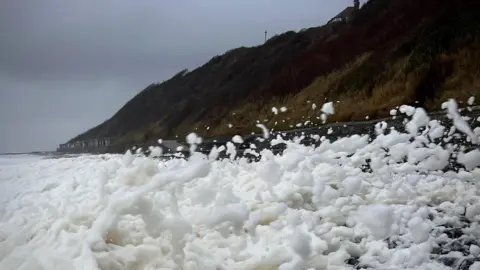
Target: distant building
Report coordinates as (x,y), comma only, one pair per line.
(347,14)
(85,146)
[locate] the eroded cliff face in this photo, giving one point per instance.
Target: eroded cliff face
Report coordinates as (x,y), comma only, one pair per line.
(393,52)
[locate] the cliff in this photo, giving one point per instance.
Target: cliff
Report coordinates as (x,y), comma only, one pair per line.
(391,52)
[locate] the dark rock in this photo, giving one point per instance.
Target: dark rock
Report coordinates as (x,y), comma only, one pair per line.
(353,261)
(448,261)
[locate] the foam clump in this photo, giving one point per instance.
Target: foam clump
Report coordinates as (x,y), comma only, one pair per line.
(328,108)
(419,229)
(470,160)
(352,185)
(390,201)
(378,219)
(419,119)
(471,100)
(193,138)
(237,139)
(265,131)
(408,110)
(458,121)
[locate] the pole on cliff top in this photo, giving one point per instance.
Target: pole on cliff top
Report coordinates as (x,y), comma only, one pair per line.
(265,36)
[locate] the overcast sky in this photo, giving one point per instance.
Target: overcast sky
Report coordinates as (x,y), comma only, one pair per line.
(66,66)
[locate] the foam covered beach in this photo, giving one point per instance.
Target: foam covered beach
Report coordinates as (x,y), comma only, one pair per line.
(355,203)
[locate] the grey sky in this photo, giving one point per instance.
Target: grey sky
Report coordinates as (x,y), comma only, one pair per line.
(68,65)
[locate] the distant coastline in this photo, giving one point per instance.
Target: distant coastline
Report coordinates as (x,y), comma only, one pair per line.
(36,153)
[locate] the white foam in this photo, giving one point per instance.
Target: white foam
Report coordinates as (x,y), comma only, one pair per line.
(266,132)
(474,250)
(470,160)
(311,208)
(323,117)
(408,110)
(458,121)
(327,108)
(471,100)
(419,119)
(237,139)
(379,219)
(475,266)
(419,229)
